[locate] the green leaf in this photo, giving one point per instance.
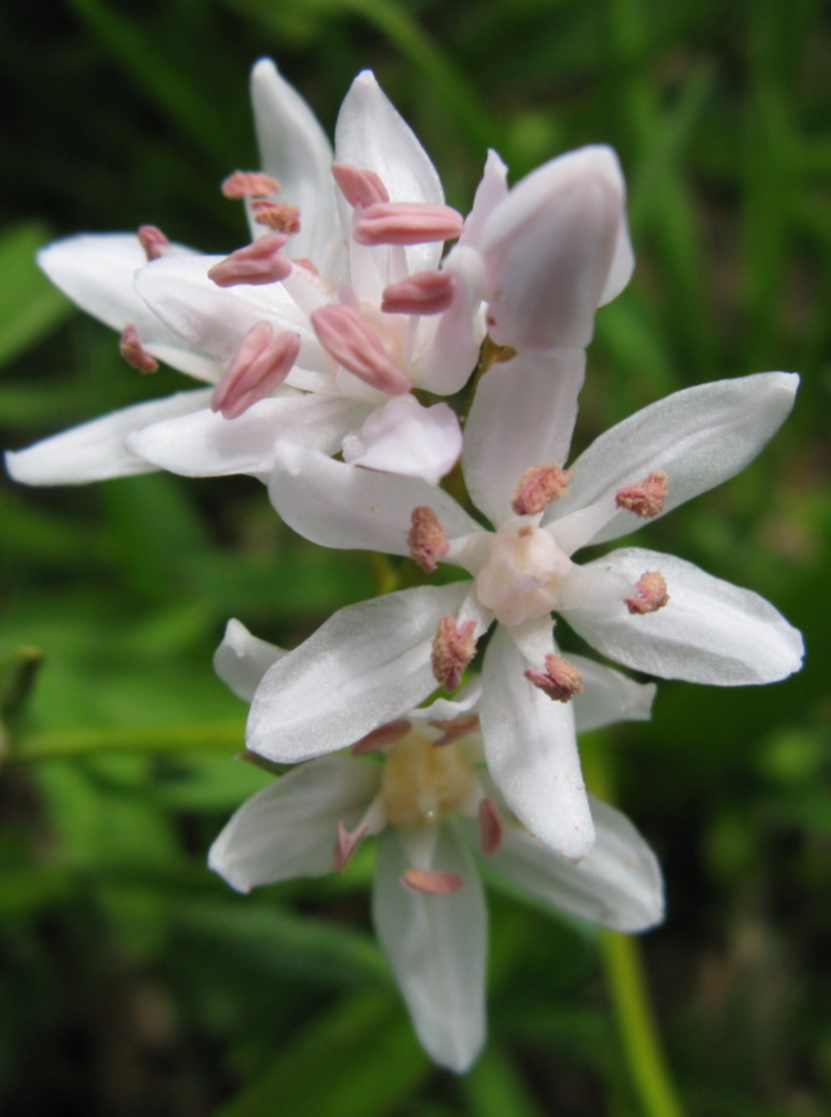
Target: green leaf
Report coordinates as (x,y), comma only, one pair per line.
(29,305)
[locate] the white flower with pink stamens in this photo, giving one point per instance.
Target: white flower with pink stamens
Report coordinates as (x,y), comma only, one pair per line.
(429,800)
(651,612)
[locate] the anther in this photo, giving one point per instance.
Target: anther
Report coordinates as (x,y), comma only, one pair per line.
(431,881)
(281,219)
(538,487)
(651,594)
(255,264)
(134,352)
(453,649)
(249,184)
(344,334)
(560,680)
(360,188)
(260,365)
(426,292)
(346,842)
(454,729)
(645,498)
(153,241)
(406,223)
(426,538)
(491,828)
(381,737)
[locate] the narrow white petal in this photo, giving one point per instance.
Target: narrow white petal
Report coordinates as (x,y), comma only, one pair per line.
(405,438)
(345,506)
(699,437)
(617,885)
(523,414)
(492,189)
(437,947)
(289,828)
(96,451)
(241,659)
(608,696)
(367,665)
(531,750)
(709,632)
(295,150)
(205,444)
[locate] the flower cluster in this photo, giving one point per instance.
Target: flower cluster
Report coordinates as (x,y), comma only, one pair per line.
(324,343)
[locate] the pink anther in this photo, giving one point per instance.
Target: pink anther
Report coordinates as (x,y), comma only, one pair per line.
(381,737)
(405,223)
(426,538)
(344,334)
(282,219)
(249,184)
(426,292)
(538,487)
(134,352)
(260,365)
(453,649)
(431,881)
(255,264)
(560,680)
(491,828)
(360,188)
(650,596)
(346,842)
(645,498)
(153,241)
(455,729)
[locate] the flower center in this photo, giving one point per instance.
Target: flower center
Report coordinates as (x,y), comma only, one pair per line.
(521,576)
(422,782)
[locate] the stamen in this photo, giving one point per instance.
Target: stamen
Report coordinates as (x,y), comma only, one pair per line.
(260,365)
(455,729)
(426,292)
(426,538)
(153,241)
(134,352)
(538,487)
(560,680)
(255,264)
(282,219)
(431,881)
(453,649)
(249,184)
(360,188)
(645,498)
(345,335)
(381,737)
(491,829)
(346,843)
(406,223)
(651,594)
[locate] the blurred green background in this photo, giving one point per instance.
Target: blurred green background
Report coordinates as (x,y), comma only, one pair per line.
(133,982)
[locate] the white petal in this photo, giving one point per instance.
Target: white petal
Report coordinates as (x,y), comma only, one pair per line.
(241,659)
(699,437)
(345,506)
(289,828)
(97,272)
(492,189)
(617,885)
(523,414)
(405,438)
(608,696)
(531,750)
(96,451)
(437,947)
(367,665)
(295,150)
(206,444)
(548,251)
(709,632)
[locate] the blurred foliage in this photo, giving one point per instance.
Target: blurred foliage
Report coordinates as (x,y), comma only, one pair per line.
(132,982)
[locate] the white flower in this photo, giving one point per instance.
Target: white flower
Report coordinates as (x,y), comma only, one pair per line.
(649,611)
(429,801)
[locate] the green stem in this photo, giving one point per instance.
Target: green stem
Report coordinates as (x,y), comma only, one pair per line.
(73,744)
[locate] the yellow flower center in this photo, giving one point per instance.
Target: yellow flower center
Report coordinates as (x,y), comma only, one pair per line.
(422,782)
